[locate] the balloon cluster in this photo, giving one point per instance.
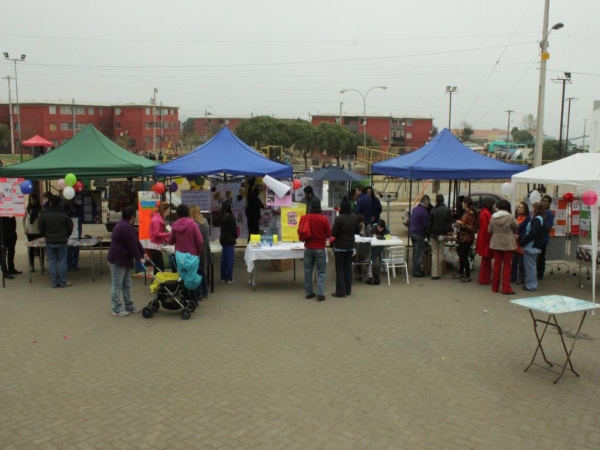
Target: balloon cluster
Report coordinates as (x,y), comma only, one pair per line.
(69,186)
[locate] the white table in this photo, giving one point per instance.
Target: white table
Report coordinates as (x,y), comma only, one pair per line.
(85,243)
(554,305)
(278,251)
(392,242)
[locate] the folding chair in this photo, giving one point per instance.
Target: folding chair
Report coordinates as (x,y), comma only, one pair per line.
(362,257)
(395,257)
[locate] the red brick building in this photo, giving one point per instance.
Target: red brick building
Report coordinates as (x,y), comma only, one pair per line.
(408,132)
(58,121)
(210,125)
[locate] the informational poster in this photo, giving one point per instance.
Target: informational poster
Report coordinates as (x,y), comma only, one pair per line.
(12,200)
(337,190)
(241,222)
(122,194)
(575,217)
(585,219)
(560,210)
(316,185)
(290,218)
(200,198)
(273,200)
(147,203)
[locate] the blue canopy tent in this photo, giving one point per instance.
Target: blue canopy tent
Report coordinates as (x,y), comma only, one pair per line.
(446,158)
(224,157)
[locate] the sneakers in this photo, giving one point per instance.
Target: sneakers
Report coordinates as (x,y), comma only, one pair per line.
(465,280)
(458,276)
(309,296)
(230,281)
(67,284)
(135,311)
(320,298)
(121,313)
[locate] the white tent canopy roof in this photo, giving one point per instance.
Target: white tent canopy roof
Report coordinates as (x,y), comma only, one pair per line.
(581,169)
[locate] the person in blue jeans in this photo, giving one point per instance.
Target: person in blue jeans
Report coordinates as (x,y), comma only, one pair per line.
(314,250)
(228,238)
(419,220)
(74,211)
(56,226)
(532,244)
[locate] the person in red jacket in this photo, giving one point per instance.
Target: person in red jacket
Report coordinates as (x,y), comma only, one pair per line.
(158,236)
(314,250)
(483,242)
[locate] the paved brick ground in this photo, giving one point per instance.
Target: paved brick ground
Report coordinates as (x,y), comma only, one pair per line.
(401,367)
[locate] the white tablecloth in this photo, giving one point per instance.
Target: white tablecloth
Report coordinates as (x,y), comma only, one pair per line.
(215,247)
(393,241)
(280,251)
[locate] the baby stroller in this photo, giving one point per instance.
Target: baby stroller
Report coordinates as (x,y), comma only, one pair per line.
(171,294)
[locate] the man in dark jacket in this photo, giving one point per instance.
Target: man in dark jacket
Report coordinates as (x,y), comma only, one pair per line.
(345,227)
(56,227)
(309,196)
(418,229)
(124,248)
(364,205)
(8,239)
(437,230)
(377,209)
(548,224)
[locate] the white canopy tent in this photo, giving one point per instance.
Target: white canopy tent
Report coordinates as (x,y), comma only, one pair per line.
(581,170)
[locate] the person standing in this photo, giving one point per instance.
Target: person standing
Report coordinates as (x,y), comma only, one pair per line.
(56,227)
(364,204)
(314,250)
(309,196)
(548,224)
(518,268)
(228,239)
(465,238)
(30,225)
(378,230)
(124,248)
(8,239)
(253,209)
(158,236)
(532,245)
(482,248)
(418,229)
(75,212)
(437,231)
(345,227)
(206,255)
(502,230)
(377,209)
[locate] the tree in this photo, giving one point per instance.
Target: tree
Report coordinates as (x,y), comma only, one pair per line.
(334,139)
(261,131)
(434,132)
(528,122)
(188,126)
(550,150)
(302,135)
(522,136)
(4,135)
(467,130)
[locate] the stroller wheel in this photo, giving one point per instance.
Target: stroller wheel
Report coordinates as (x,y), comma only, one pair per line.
(147,312)
(186,314)
(155,306)
(192,306)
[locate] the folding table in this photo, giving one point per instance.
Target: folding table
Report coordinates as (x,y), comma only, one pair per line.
(554,305)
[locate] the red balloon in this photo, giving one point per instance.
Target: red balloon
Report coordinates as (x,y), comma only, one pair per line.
(297,184)
(159,188)
(568,197)
(589,198)
(79,186)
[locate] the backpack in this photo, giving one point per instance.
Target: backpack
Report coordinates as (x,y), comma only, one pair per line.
(304,233)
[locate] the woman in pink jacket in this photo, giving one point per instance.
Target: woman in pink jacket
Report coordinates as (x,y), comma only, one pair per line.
(158,235)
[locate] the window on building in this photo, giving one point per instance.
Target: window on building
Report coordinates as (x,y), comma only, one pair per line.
(91,111)
(408,135)
(79,110)
(172,112)
(148,125)
(52,127)
(79,125)
(118,112)
(165,112)
(66,126)
(148,139)
(66,110)
(118,125)
(52,109)
(15,109)
(157,139)
(100,111)
(148,112)
(16,126)
(409,122)
(166,125)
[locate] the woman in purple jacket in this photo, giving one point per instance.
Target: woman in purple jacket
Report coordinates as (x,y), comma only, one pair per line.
(124,247)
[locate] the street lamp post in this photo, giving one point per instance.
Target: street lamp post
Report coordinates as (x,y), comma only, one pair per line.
(154,121)
(539,134)
(206,114)
(566,79)
(450,90)
(569,122)
(510,111)
(12,134)
(16,60)
(364,97)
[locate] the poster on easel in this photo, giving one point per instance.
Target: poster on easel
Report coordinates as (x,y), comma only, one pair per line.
(560,210)
(575,217)
(585,219)
(290,218)
(12,200)
(316,185)
(200,198)
(147,205)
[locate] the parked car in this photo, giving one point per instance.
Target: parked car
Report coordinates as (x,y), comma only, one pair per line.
(477,197)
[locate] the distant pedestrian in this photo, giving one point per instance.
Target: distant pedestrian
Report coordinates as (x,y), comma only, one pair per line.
(376,208)
(465,238)
(532,245)
(309,196)
(228,239)
(314,250)
(8,239)
(56,227)
(483,241)
(437,231)
(345,227)
(548,224)
(419,220)
(206,256)
(364,204)
(502,229)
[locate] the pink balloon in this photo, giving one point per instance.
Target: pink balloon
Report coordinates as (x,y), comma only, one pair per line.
(61,184)
(589,197)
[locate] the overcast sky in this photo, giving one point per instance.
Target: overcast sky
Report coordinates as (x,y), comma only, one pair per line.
(243,57)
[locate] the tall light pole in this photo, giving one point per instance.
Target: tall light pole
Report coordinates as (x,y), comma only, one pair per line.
(206,114)
(566,79)
(364,97)
(12,134)
(569,122)
(16,60)
(544,57)
(584,127)
(510,111)
(450,90)
(154,121)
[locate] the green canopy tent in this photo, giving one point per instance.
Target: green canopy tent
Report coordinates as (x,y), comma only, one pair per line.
(89,154)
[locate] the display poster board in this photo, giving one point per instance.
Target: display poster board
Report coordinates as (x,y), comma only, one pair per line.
(560,209)
(147,203)
(575,217)
(89,201)
(316,185)
(122,194)
(12,200)
(273,200)
(585,220)
(290,218)
(200,198)
(337,190)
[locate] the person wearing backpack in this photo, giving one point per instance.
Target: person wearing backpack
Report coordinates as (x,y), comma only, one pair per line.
(314,248)
(532,244)
(548,224)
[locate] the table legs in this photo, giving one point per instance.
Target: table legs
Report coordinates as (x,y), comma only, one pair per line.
(568,351)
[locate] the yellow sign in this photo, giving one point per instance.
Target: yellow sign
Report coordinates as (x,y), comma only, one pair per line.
(545,56)
(290,218)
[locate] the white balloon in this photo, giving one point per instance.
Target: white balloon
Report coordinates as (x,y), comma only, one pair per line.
(506,189)
(535,197)
(68,192)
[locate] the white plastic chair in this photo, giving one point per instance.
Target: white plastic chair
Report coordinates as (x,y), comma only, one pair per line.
(395,257)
